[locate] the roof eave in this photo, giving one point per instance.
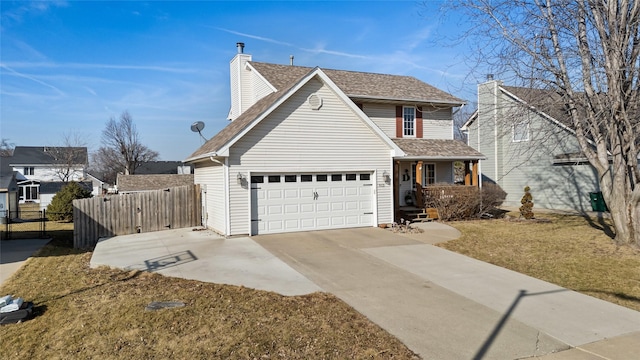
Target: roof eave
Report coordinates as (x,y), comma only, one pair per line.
(440,157)
(203,157)
(408,100)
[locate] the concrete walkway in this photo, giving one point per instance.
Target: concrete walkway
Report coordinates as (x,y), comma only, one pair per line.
(13,254)
(441,304)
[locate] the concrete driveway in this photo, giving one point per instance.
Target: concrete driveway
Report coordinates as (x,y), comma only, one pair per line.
(202,255)
(447,306)
(442,305)
(13,254)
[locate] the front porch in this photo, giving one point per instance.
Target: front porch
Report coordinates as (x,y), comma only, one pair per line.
(416,180)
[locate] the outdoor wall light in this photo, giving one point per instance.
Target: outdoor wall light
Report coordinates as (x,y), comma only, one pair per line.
(386,176)
(240,178)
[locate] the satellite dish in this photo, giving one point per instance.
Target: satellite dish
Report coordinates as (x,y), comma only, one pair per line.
(197,127)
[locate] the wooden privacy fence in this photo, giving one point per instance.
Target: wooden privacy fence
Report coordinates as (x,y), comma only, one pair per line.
(105,216)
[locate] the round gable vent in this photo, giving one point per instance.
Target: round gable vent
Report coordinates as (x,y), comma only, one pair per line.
(314,101)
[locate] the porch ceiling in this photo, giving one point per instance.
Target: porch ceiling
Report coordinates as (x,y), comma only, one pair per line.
(434,149)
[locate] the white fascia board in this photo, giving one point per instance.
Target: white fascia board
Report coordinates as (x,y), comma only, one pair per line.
(544,115)
(200,158)
(251,68)
(534,109)
(396,151)
(468,123)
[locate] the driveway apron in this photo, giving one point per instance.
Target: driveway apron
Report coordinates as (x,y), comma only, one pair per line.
(444,305)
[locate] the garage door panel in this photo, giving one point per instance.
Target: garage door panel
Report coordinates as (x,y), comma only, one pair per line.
(337,206)
(351,205)
(311,205)
(291,209)
(274,194)
(274,210)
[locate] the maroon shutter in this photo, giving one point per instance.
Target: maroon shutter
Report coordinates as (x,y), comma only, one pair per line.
(399,127)
(419,122)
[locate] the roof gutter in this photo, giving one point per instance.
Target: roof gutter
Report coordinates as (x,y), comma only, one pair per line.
(418,157)
(400,100)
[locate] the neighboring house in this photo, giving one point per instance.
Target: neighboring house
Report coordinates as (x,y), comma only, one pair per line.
(49,189)
(528,139)
(37,166)
(8,189)
(127,184)
(98,187)
(311,148)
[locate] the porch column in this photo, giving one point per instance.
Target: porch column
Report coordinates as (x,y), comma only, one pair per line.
(474,173)
(419,197)
(467,173)
(396,190)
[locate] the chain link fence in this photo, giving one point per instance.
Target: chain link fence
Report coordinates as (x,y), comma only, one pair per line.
(23,225)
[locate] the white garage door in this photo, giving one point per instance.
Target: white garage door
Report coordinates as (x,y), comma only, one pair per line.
(302,202)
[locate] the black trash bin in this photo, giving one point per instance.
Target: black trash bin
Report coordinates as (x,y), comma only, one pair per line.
(597,202)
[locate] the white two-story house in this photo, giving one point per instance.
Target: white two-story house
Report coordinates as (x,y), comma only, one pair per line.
(43,170)
(312,148)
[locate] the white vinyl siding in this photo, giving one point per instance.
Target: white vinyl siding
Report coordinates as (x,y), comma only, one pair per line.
(384,116)
(437,123)
(240,85)
(212,175)
(296,139)
(260,88)
(50,173)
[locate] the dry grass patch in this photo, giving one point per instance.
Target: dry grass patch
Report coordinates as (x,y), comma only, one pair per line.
(571,251)
(84,313)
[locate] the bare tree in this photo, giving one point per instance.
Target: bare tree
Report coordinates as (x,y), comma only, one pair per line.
(121,147)
(70,158)
(588,52)
(6,148)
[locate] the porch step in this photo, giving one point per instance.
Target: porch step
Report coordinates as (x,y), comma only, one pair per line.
(429,214)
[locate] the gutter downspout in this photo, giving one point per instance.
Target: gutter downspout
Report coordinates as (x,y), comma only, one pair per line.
(227,207)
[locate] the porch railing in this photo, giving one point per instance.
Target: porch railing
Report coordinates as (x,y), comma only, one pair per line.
(452,201)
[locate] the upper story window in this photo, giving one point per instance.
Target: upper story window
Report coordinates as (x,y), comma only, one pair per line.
(409,121)
(521,131)
(28,170)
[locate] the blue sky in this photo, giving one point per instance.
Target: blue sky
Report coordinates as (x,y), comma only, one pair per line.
(67,67)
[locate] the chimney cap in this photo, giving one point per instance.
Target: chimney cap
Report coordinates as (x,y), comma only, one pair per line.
(240,46)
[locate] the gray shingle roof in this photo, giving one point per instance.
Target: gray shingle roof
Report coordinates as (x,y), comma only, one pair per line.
(53,187)
(354,84)
(159,167)
(45,155)
(362,84)
(437,149)
(152,182)
(546,101)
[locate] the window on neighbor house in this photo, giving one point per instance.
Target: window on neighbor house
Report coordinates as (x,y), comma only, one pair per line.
(28,193)
(409,121)
(521,131)
(28,170)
